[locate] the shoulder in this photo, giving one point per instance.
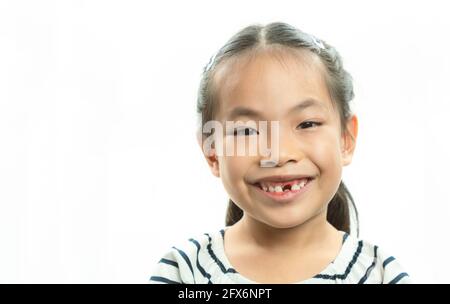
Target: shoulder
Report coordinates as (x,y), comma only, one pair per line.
(364,262)
(183,262)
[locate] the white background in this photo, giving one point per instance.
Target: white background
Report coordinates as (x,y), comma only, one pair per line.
(100,172)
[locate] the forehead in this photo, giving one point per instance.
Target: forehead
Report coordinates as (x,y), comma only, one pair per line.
(271,82)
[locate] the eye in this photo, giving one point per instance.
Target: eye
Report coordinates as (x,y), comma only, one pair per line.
(308,124)
(245,131)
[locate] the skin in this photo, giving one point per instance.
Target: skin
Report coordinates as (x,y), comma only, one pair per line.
(273,242)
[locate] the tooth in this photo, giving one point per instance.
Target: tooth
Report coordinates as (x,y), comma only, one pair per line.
(278,189)
(265,188)
(271,189)
(295,187)
(302,184)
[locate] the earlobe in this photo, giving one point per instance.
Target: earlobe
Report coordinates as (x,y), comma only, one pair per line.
(210,156)
(213,162)
(349,140)
(215,168)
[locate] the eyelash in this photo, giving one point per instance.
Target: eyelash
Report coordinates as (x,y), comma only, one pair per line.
(310,122)
(246,130)
(243,129)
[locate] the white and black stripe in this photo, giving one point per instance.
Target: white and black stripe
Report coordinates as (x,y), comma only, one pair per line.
(202,260)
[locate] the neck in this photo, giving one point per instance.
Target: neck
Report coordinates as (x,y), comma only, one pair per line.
(313,232)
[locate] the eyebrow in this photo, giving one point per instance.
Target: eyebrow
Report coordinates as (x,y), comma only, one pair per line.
(243,111)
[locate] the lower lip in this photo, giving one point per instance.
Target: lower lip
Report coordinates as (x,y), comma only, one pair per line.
(285,197)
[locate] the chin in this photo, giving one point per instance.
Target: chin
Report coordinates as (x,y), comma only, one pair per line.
(285,223)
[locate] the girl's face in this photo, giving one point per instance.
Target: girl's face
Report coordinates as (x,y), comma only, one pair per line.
(272,85)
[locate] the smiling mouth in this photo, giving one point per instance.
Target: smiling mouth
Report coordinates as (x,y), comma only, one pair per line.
(281,187)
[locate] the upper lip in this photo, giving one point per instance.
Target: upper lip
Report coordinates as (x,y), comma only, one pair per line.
(282,178)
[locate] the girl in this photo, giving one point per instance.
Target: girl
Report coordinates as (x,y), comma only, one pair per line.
(289,221)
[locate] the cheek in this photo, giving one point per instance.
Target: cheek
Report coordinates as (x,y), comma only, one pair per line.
(231,167)
(326,155)
(232,170)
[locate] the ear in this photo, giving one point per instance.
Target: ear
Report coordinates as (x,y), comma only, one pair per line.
(348,140)
(210,156)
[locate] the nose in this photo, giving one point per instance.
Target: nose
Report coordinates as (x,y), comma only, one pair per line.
(288,149)
(284,149)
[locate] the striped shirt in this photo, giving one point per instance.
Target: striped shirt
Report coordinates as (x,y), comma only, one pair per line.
(203,261)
